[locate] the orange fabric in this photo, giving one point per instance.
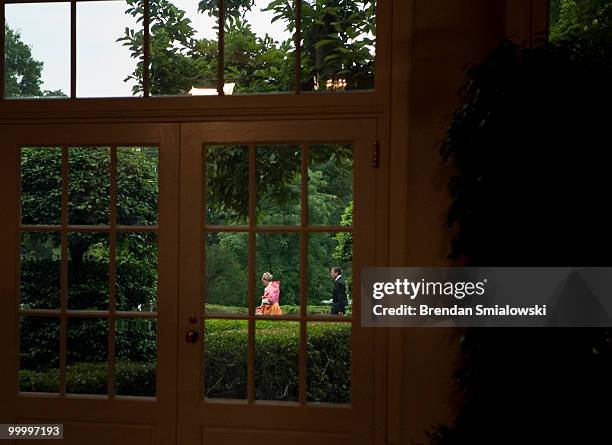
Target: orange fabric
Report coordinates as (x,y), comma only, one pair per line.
(269,309)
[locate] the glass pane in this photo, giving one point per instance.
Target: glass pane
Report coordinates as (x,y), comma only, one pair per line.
(577,19)
(41,186)
(278,254)
(40,270)
(226,283)
(88,271)
(39,354)
(227,180)
(136,271)
(277,360)
(104,64)
(87,356)
(329,273)
(328,362)
(184,47)
(137,185)
(330,185)
(225,359)
(89,185)
(259,46)
(135,357)
(278,184)
(338,45)
(37,50)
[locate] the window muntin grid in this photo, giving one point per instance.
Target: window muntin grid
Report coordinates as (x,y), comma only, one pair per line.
(110,321)
(249,367)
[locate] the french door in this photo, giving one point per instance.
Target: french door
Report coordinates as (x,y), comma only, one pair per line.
(132,270)
(305,376)
(89,283)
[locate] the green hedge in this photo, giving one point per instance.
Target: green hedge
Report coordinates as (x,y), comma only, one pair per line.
(276,360)
(276,365)
(132,378)
(288,309)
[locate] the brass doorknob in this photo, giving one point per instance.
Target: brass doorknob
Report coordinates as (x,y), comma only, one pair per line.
(191,337)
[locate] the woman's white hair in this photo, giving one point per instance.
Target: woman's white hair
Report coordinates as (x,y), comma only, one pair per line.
(266,276)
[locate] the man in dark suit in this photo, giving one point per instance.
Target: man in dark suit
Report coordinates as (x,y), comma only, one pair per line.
(339,300)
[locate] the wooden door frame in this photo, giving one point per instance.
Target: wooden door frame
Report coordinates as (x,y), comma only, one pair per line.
(139,416)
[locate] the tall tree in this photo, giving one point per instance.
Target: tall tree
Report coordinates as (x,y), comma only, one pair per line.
(22,72)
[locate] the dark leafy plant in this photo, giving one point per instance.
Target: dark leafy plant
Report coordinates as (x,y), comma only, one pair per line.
(529,152)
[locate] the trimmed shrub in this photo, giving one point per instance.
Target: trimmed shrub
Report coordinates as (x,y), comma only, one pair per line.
(328,362)
(87,378)
(132,378)
(277,347)
(135,378)
(276,365)
(276,360)
(41,381)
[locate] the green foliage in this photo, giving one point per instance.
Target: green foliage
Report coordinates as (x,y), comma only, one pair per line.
(40,270)
(136,276)
(89,182)
(276,358)
(41,191)
(89,186)
(137,185)
(226,274)
(22,75)
(136,378)
(279,253)
(40,284)
(338,40)
(225,358)
(87,378)
(39,381)
(22,72)
(581,20)
(254,64)
(39,343)
(344,249)
(278,184)
(328,362)
(87,340)
(180,61)
(133,378)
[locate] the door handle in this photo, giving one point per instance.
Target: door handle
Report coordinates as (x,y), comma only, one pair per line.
(192,336)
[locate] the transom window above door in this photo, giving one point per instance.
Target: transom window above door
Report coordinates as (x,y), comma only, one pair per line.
(141,48)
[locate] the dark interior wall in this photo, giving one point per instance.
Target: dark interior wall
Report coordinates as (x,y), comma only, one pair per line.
(445,36)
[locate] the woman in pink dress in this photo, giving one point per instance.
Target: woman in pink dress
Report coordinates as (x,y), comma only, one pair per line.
(269,300)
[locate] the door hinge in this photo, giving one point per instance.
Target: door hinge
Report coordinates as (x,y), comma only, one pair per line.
(376,154)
